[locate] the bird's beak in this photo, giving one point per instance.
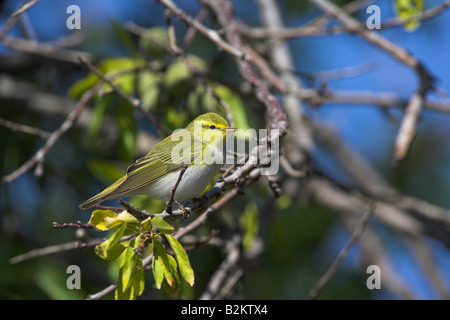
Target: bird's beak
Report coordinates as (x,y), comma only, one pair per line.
(231,129)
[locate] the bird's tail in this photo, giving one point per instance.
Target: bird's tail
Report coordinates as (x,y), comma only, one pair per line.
(105,194)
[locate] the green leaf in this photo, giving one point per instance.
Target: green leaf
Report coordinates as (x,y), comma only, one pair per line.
(125,82)
(175,288)
(121,218)
(120,293)
(155,42)
(123,65)
(139,280)
(128,266)
(131,279)
(183,261)
(407,9)
(98,219)
(120,64)
(161,225)
(110,249)
(162,262)
(158,274)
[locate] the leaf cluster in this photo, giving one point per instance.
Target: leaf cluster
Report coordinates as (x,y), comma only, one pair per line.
(130,240)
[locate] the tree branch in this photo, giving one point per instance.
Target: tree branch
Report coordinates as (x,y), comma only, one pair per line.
(54,137)
(331,271)
(414,108)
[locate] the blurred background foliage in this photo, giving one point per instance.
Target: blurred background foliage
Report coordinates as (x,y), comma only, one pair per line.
(302,239)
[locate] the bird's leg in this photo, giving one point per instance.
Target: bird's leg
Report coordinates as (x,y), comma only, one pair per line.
(174,189)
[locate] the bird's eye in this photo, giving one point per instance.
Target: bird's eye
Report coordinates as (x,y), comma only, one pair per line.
(212,126)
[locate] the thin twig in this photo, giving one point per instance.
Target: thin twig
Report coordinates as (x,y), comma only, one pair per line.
(171,34)
(201,28)
(174,189)
(49,50)
(102,293)
(425,15)
(54,249)
(317,97)
(329,274)
(15,17)
(230,263)
(76,225)
(312,28)
(24,128)
(427,259)
(374,251)
(316,29)
(408,127)
(54,137)
(205,240)
(191,32)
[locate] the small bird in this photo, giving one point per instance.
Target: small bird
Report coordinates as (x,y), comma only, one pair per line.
(157,173)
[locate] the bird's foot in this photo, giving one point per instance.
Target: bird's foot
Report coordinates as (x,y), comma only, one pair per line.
(186,211)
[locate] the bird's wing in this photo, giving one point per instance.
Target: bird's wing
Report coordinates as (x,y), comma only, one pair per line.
(162,160)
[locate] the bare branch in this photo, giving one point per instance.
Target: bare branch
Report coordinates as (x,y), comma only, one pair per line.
(407,128)
(328,275)
(45,49)
(317,97)
(54,249)
(54,137)
(282,60)
(24,128)
(174,189)
(427,260)
(96,296)
(231,262)
(374,252)
(208,33)
(15,17)
(77,225)
(316,27)
(46,103)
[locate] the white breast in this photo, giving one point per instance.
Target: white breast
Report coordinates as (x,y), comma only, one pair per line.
(194,181)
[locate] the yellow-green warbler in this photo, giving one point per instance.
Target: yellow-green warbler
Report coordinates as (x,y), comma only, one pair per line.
(157,173)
